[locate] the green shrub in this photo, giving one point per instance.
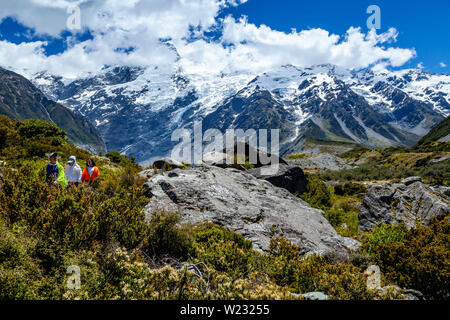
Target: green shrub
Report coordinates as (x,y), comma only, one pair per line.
(384,234)
(221,249)
(367,172)
(317,193)
(166,237)
(34,139)
(335,216)
(341,281)
(314,273)
(416,258)
(283,262)
(120,159)
(38,129)
(350,189)
(74,218)
(20,275)
(438,173)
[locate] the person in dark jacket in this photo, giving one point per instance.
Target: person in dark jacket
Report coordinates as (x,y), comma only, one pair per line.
(55,171)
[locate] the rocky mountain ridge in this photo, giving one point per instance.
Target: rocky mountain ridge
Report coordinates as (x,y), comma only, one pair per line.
(20,99)
(136,109)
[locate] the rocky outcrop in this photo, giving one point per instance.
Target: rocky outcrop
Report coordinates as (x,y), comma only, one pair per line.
(166,163)
(411,294)
(291,178)
(280,174)
(410,201)
(317,295)
(243,204)
(228,159)
(325,161)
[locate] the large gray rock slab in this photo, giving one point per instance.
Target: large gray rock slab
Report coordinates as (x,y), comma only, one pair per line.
(410,201)
(243,204)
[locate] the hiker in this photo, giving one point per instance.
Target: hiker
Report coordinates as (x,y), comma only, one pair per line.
(73,172)
(55,171)
(90,173)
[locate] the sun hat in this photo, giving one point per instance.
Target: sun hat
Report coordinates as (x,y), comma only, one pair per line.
(53,154)
(72,160)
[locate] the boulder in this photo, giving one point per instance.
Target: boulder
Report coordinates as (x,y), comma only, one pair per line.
(411,180)
(219,158)
(291,178)
(251,207)
(374,283)
(317,295)
(374,277)
(147,173)
(410,201)
(439,158)
(167,162)
(411,294)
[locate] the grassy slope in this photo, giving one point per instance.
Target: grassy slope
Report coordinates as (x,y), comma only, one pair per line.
(439,131)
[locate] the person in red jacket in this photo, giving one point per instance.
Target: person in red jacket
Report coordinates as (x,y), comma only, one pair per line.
(90,173)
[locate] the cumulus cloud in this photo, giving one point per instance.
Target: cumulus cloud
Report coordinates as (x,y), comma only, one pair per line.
(141,25)
(162,17)
(270,47)
(442,64)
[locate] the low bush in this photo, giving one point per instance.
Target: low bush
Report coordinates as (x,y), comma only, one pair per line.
(120,159)
(368,172)
(317,193)
(222,250)
(417,258)
(384,234)
(167,237)
(314,273)
(340,203)
(350,189)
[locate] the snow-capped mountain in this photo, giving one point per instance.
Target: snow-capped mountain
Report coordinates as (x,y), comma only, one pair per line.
(136,109)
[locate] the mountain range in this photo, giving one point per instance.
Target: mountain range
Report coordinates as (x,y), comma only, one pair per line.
(136,109)
(20,100)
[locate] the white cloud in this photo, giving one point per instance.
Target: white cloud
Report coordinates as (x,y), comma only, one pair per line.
(141,23)
(163,17)
(442,64)
(420,65)
(253,48)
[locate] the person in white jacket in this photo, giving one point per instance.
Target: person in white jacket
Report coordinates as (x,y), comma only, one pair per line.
(73,172)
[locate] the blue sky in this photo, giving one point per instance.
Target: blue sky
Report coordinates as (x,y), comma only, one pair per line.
(423,25)
(421,29)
